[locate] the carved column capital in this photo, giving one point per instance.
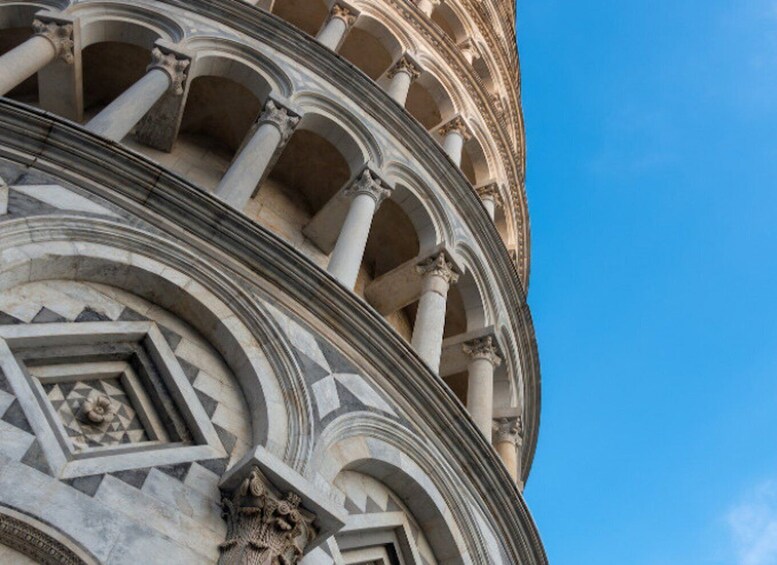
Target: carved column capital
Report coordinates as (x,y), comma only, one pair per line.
(405,65)
(508,430)
(483,348)
(370,184)
(175,64)
(59,31)
(344,13)
(438,266)
(262,526)
(490,192)
(457,125)
(281,117)
(469,49)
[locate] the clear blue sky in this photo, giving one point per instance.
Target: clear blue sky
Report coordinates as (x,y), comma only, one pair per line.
(652,181)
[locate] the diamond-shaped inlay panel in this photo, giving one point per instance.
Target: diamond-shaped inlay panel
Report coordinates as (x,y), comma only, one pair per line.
(69,400)
(106,396)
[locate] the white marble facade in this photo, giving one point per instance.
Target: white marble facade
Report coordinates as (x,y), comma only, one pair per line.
(262,284)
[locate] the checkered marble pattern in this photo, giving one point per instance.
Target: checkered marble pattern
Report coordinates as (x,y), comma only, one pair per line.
(124,428)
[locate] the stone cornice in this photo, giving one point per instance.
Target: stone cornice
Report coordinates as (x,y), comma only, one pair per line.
(32,137)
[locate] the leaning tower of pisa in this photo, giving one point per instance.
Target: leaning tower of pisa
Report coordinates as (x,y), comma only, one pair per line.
(263,276)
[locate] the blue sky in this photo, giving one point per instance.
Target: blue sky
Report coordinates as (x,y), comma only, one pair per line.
(652,180)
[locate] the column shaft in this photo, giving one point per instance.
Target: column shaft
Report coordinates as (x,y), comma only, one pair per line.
(239,182)
(480,394)
(426,6)
(399,87)
(117,119)
(349,249)
(509,454)
(24,61)
(430,320)
(453,144)
(490,206)
(332,33)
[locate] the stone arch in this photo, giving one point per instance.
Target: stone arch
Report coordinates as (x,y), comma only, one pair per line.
(451,21)
(376,446)
(429,99)
(371,46)
(165,274)
(306,15)
(103,22)
(39,541)
(475,161)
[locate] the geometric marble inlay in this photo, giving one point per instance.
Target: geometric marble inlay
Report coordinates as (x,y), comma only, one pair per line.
(106,396)
(70,399)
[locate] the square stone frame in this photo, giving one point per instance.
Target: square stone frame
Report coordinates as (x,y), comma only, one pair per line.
(61,462)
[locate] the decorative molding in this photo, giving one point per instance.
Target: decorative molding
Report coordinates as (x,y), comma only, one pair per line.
(262,526)
(344,13)
(457,125)
(405,65)
(438,266)
(370,184)
(174,63)
(59,31)
(483,348)
(281,117)
(490,192)
(508,430)
(30,541)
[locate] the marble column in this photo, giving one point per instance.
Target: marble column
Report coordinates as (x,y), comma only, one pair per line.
(166,73)
(469,50)
(438,275)
(490,197)
(239,183)
(484,359)
(53,38)
(341,18)
(427,6)
(401,76)
(508,439)
(367,194)
(455,133)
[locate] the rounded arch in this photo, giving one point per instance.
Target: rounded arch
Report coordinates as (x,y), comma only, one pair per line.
(479,312)
(416,199)
(377,446)
(232,60)
(194,289)
(429,101)
(102,22)
(306,15)
(452,21)
(372,46)
(39,541)
(340,128)
(476,162)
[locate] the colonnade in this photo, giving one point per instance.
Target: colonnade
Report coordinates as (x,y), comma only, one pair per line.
(167,74)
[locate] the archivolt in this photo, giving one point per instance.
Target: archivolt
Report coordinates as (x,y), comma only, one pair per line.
(193,288)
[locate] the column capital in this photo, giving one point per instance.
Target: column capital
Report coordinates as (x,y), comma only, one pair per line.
(491,192)
(263,525)
(407,65)
(58,30)
(175,63)
(342,12)
(457,125)
(508,430)
(438,266)
(483,348)
(280,116)
(470,46)
(370,184)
